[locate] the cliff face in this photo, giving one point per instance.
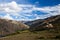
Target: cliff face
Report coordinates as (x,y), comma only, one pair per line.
(9,27)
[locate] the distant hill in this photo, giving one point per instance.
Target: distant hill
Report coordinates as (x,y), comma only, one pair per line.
(10,26)
(32,23)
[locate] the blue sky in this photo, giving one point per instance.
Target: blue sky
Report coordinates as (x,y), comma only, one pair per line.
(29,9)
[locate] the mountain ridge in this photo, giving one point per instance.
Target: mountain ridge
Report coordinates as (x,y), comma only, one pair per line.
(10,26)
(43,24)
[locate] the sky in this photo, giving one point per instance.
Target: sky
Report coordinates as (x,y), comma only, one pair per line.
(28,10)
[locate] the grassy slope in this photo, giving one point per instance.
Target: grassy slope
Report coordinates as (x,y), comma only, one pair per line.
(27,35)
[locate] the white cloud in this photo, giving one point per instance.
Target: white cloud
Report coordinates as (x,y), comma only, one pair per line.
(12,8)
(7,17)
(53,10)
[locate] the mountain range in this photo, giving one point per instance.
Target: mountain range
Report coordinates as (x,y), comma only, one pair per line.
(11,26)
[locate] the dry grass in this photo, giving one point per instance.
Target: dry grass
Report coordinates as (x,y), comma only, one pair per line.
(27,35)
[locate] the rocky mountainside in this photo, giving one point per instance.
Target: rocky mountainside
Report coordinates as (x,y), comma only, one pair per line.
(43,23)
(10,26)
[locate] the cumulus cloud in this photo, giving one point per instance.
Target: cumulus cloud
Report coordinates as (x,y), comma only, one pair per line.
(24,11)
(11,7)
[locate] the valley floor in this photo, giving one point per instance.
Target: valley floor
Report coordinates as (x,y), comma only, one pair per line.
(39,35)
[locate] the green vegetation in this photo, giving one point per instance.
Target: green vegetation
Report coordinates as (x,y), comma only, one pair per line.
(35,35)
